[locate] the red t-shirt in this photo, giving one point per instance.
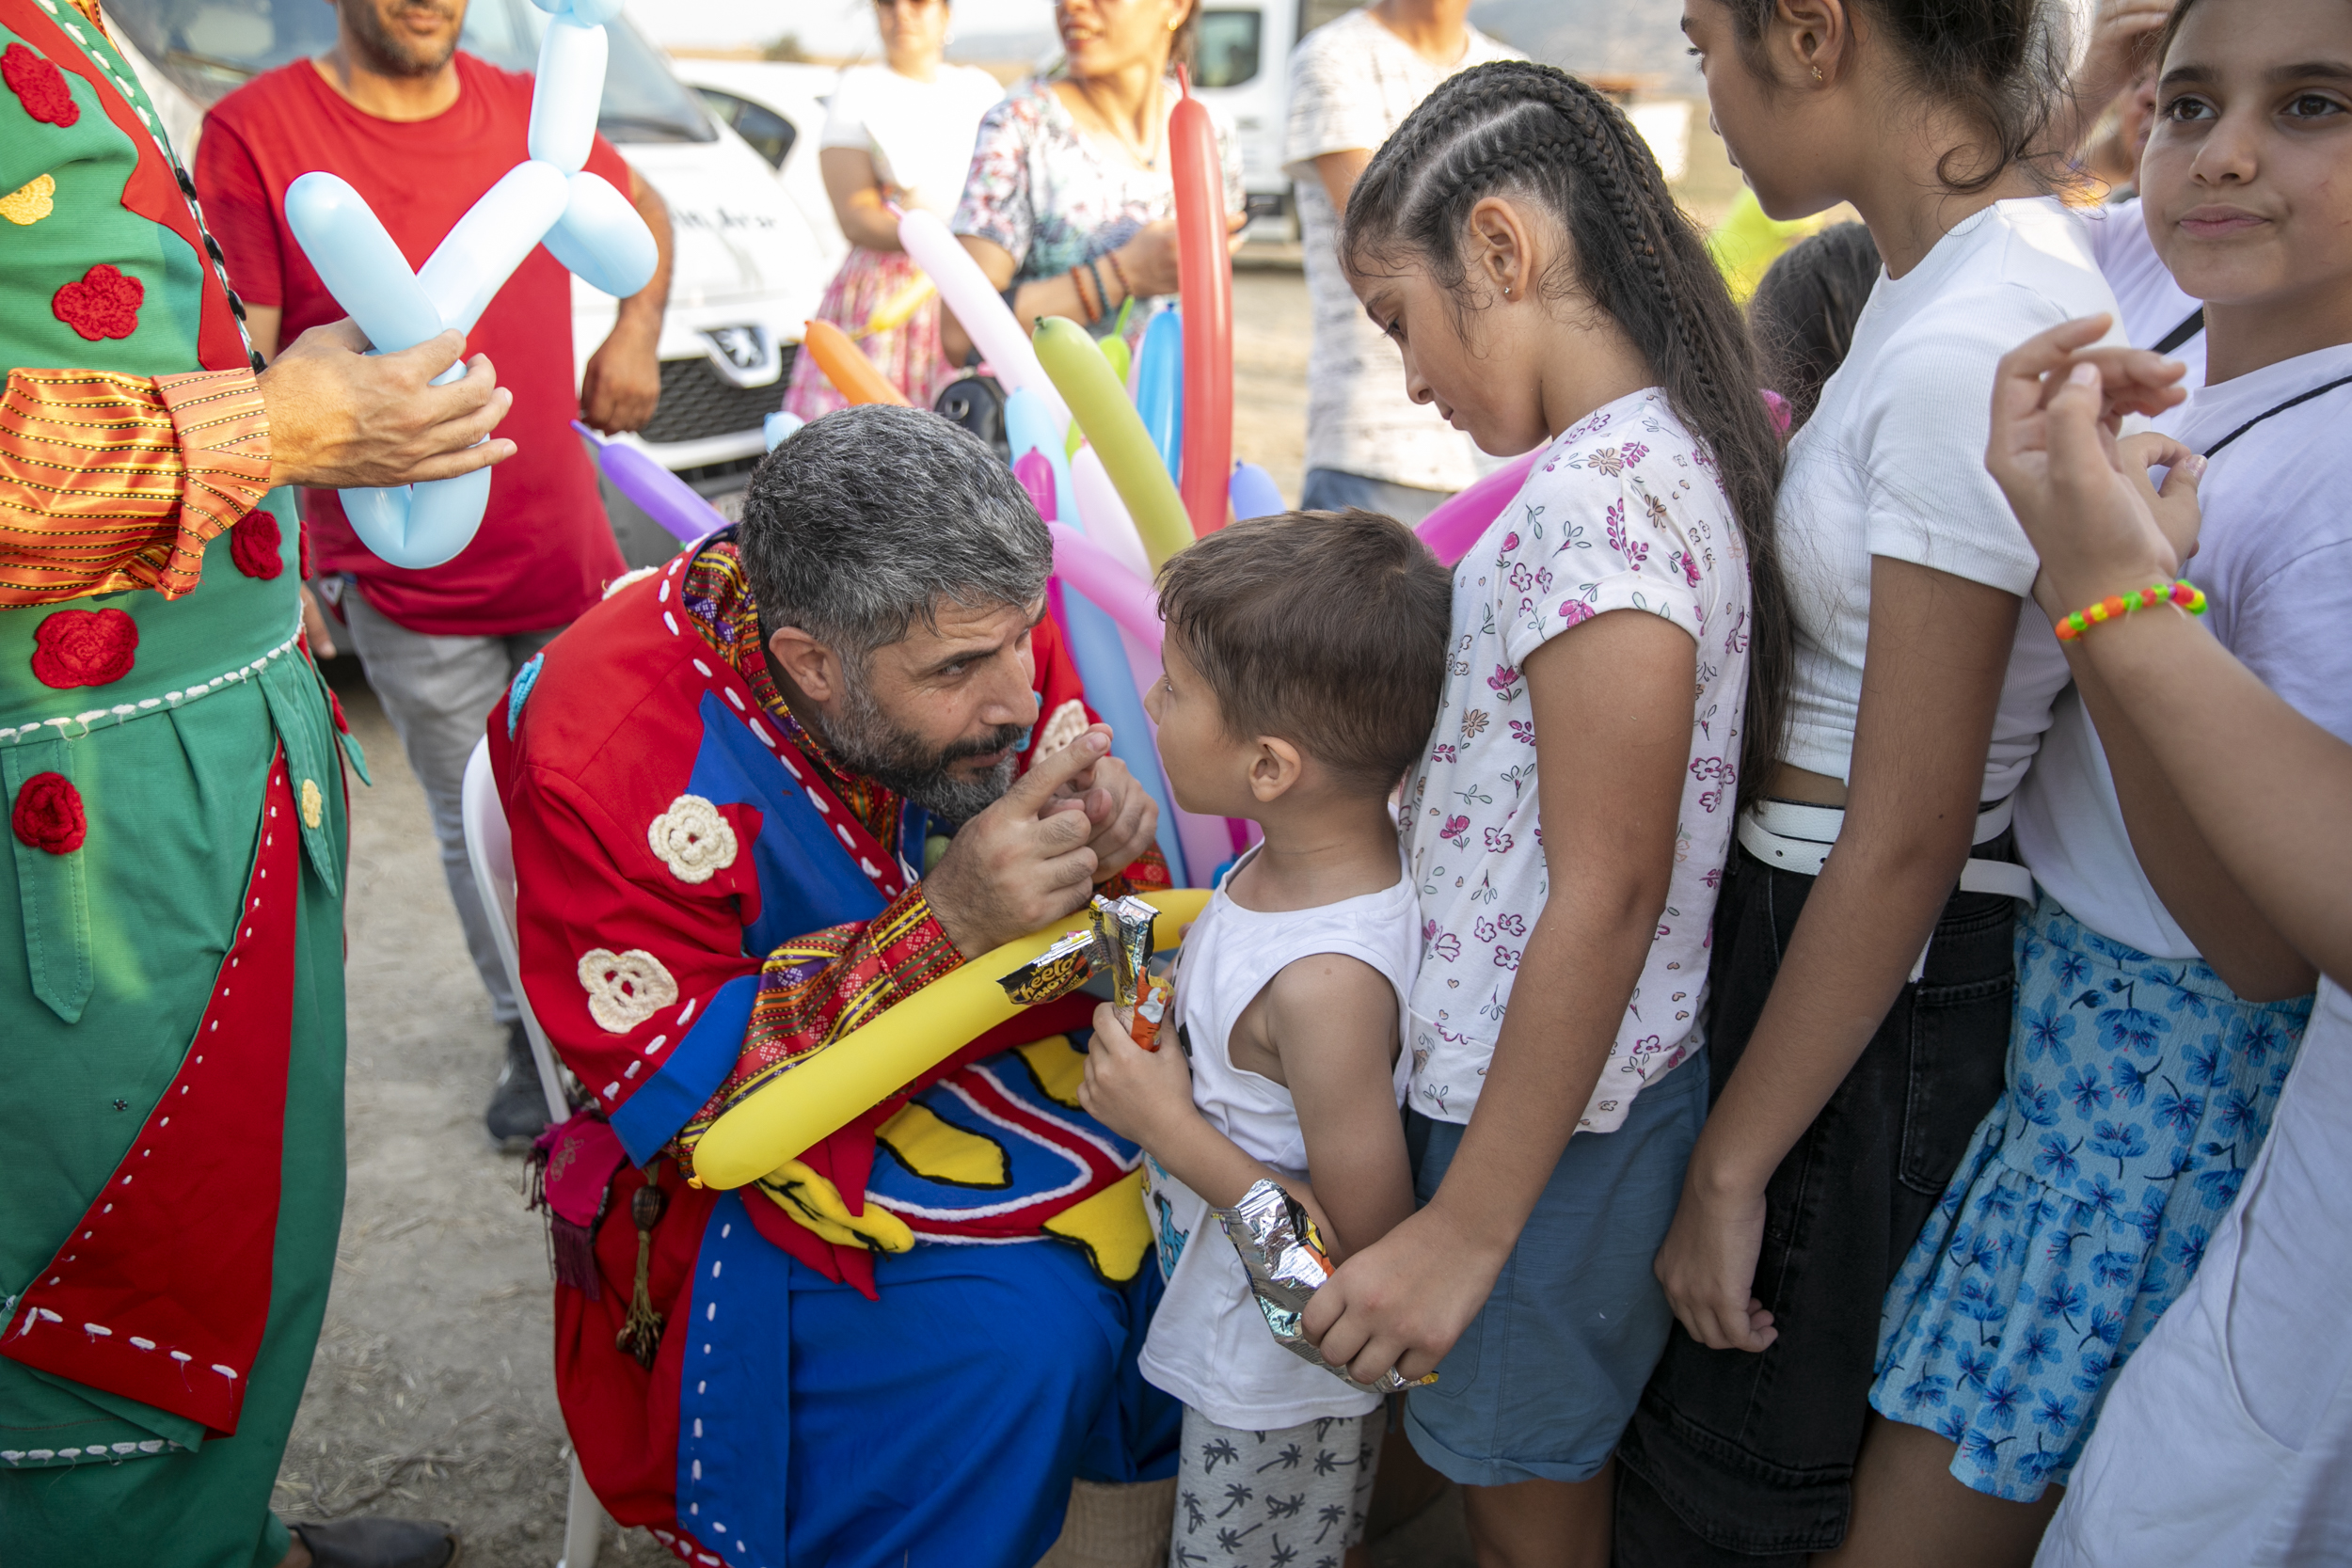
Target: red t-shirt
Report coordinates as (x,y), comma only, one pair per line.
(546,549)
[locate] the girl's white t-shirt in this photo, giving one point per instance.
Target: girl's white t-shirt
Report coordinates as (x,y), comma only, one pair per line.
(2274,555)
(919,133)
(1892,464)
(1209,1344)
(1623,510)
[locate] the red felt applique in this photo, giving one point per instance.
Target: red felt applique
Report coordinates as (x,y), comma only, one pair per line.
(302,551)
(84,647)
(48,815)
(39,84)
(253,545)
(103,304)
(335,706)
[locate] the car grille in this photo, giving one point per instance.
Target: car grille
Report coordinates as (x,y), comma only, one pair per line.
(698,403)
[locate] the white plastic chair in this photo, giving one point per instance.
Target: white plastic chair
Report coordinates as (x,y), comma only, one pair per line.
(490,850)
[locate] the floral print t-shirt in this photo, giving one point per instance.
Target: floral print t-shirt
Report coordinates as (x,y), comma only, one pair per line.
(1623,510)
(1053,196)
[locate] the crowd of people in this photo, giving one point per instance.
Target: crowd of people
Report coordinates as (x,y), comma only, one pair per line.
(1869,692)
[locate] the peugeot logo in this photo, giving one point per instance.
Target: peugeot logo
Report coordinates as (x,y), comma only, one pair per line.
(741,345)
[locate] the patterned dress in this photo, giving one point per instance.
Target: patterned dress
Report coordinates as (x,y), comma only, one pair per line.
(908,355)
(1053,196)
(2139,1091)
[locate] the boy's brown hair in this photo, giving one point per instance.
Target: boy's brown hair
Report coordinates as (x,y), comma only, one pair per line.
(1327,628)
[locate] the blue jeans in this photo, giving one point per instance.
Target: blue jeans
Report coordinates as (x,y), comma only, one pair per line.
(1335,490)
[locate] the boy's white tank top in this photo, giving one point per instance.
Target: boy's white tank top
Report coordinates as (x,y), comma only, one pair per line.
(1209,1343)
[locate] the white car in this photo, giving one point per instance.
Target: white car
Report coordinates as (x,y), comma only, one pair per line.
(751,261)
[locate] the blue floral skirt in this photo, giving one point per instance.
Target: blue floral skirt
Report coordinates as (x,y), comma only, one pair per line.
(2140,1089)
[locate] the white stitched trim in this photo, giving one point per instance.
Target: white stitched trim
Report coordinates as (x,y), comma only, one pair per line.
(122,713)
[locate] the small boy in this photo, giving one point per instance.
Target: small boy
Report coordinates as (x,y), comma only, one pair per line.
(1305,656)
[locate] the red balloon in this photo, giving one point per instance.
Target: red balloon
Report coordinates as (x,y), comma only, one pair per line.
(1205,270)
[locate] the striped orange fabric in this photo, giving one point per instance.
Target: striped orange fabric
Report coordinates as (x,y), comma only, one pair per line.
(113,481)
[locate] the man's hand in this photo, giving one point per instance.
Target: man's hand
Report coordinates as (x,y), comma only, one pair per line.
(623,382)
(1402,1301)
(1025,862)
(341,418)
(1125,817)
(1139,1094)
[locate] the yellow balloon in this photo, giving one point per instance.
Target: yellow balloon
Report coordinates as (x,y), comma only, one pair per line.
(1099,402)
(841,1082)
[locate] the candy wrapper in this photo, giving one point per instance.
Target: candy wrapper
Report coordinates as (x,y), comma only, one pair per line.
(1119,944)
(1143,1026)
(1286,1263)
(1054,972)
(1122,944)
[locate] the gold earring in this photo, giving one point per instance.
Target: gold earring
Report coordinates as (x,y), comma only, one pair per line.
(1816,73)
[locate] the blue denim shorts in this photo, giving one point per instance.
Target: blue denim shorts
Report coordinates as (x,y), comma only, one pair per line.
(1541,1385)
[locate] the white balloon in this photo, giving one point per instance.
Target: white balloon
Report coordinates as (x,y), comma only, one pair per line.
(565,96)
(601,237)
(358,262)
(1105,515)
(477,256)
(986,318)
(588,13)
(418,525)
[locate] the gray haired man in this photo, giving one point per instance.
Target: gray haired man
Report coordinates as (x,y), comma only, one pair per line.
(758,798)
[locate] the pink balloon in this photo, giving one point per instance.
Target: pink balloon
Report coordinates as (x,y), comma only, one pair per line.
(1086,566)
(1455,525)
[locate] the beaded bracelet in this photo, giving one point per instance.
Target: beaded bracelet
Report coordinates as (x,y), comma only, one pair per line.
(1120,273)
(2116,606)
(1100,293)
(1086,306)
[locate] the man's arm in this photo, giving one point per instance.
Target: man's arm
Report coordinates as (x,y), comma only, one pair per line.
(1339,173)
(622,381)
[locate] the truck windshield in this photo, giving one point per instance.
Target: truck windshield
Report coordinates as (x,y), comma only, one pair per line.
(211,47)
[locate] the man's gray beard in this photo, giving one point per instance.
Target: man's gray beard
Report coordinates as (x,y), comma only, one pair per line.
(864,741)
(387,54)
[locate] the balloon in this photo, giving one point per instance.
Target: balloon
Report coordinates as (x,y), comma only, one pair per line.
(1035,470)
(664,496)
(1455,525)
(832,1087)
(419,526)
(475,258)
(1111,424)
(565,96)
(358,262)
(846,366)
(1086,566)
(1253,492)
(1160,386)
(987,319)
(1104,515)
(601,237)
(1205,270)
(780,427)
(898,308)
(1116,669)
(1116,355)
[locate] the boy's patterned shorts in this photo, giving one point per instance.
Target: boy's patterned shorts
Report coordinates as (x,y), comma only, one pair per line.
(1289,1499)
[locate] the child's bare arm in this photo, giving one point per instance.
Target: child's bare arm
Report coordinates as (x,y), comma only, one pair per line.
(1332,1020)
(1146,1098)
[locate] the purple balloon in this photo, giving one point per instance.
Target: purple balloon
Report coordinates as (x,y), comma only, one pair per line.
(660,493)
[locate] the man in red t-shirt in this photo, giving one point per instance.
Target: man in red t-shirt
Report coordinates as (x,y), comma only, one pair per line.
(421,131)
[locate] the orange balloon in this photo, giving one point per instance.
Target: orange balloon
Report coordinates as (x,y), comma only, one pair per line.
(846,366)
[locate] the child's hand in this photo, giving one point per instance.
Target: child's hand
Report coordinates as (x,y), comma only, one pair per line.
(1137,1094)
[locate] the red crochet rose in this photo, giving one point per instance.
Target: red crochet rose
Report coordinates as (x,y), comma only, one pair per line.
(84,647)
(39,84)
(104,304)
(253,545)
(48,815)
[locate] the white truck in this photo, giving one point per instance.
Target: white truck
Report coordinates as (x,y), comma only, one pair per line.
(753,254)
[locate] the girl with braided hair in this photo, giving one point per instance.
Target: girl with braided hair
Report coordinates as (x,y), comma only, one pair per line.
(1860,1002)
(1619,638)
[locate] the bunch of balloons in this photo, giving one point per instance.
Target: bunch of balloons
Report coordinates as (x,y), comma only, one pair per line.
(550,198)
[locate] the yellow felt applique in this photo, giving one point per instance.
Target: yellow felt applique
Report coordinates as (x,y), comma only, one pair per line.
(816,1203)
(941,1151)
(30,202)
(1111,1226)
(1059,1068)
(314,804)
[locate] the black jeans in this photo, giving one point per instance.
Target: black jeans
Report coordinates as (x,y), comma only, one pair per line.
(1748,1460)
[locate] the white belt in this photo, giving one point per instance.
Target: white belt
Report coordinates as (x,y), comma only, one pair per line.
(1789,835)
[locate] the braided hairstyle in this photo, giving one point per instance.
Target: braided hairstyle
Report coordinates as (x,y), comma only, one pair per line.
(2002,62)
(1535,132)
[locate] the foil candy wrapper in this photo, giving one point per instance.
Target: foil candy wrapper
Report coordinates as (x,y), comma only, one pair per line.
(1285,1257)
(1123,939)
(1054,973)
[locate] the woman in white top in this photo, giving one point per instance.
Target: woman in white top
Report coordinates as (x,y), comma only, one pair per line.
(900,132)
(1859,1017)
